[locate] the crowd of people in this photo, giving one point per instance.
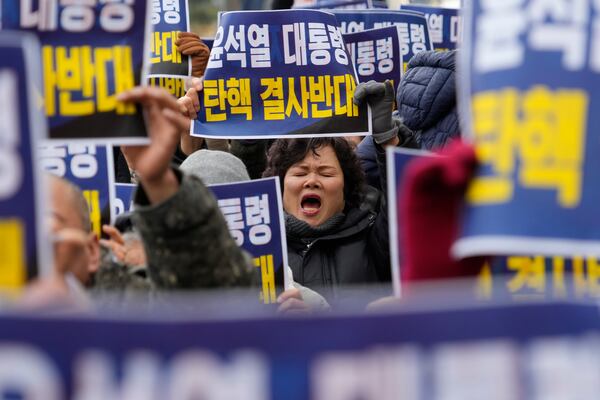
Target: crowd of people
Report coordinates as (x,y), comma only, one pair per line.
(333,188)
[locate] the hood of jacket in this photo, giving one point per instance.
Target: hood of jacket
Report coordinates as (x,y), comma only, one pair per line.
(427,92)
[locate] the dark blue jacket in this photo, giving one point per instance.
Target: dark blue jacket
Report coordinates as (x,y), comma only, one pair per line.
(367,155)
(426,98)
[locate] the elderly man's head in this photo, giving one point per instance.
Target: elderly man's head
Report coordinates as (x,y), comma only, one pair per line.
(77,250)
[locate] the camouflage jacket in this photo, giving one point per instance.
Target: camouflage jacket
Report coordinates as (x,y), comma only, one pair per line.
(187,242)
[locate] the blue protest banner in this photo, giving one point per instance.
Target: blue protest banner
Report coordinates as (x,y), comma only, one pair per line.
(279,73)
(414,33)
(90,168)
(25,252)
(535,133)
(168,19)
(376,54)
(254,214)
(123,198)
(91,51)
(445,25)
(397,160)
(544,350)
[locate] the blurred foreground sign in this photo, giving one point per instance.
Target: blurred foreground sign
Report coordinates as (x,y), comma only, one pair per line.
(22,244)
(536,134)
(501,352)
(538,277)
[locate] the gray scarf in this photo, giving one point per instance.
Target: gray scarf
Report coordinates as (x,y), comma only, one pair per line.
(302,230)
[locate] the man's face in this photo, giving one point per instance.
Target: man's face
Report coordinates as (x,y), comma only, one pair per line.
(76,248)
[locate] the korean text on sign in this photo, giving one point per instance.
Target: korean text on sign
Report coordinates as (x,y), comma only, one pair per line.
(254,216)
(527,103)
(91,51)
(376,54)
(445,25)
(168,17)
(280,74)
(412,26)
(540,277)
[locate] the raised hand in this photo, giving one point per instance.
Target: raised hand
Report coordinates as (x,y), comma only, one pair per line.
(164,123)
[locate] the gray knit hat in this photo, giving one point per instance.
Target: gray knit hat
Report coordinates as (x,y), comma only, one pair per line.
(215,167)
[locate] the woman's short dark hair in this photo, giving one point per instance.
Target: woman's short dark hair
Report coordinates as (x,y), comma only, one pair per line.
(286,152)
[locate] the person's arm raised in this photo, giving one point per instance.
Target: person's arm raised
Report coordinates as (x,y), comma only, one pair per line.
(164,123)
(189,105)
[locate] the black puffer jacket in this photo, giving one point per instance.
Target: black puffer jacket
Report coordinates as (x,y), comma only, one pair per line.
(426,98)
(355,253)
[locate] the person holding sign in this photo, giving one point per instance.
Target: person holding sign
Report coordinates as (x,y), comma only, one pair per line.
(187,243)
(427,99)
(426,102)
(332,240)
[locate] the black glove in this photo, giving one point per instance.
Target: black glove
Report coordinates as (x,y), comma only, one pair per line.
(380,97)
(406,137)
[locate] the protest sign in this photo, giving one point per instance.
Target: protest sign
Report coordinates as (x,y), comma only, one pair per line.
(168,19)
(91,51)
(445,25)
(24,248)
(397,160)
(414,33)
(279,74)
(175,86)
(500,351)
(376,54)
(123,198)
(89,167)
(254,215)
(536,190)
(540,277)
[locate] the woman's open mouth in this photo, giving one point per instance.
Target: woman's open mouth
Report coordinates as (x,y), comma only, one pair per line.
(310,204)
